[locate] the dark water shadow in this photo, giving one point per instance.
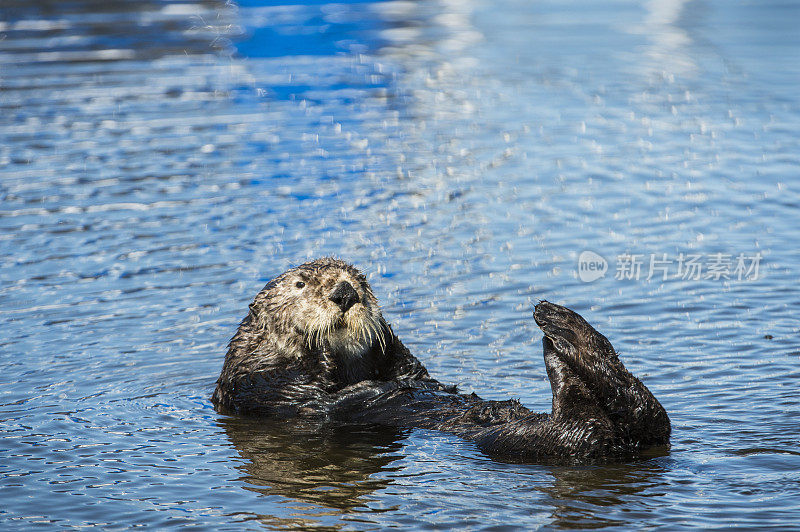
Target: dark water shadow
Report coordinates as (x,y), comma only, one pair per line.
(585,497)
(331,467)
(334,470)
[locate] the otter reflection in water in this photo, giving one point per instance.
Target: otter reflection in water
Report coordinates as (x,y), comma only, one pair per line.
(315,345)
(330,466)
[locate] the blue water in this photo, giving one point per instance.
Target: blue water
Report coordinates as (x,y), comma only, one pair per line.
(160,161)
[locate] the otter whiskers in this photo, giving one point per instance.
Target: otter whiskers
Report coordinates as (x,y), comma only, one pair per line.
(354,332)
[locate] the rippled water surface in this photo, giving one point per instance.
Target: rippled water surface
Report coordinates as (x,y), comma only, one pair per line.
(160,161)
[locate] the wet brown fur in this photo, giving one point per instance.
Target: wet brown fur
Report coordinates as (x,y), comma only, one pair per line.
(296,354)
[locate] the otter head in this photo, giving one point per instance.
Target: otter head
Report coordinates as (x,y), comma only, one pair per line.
(323,303)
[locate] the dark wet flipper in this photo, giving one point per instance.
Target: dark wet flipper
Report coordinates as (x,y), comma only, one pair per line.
(503,429)
(638,418)
(571,397)
(577,428)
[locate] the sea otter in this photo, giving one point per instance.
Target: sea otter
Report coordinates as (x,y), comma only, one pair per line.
(315,345)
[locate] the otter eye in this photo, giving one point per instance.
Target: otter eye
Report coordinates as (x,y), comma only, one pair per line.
(299,284)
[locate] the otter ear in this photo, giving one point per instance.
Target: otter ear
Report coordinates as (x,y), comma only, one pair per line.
(253,318)
(256,313)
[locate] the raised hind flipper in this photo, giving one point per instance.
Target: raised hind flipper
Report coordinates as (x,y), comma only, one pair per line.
(600,410)
(639,419)
(577,429)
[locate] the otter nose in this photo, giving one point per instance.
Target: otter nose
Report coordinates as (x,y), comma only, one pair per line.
(344,295)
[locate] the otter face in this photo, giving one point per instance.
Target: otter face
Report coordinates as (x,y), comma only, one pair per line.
(325,301)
